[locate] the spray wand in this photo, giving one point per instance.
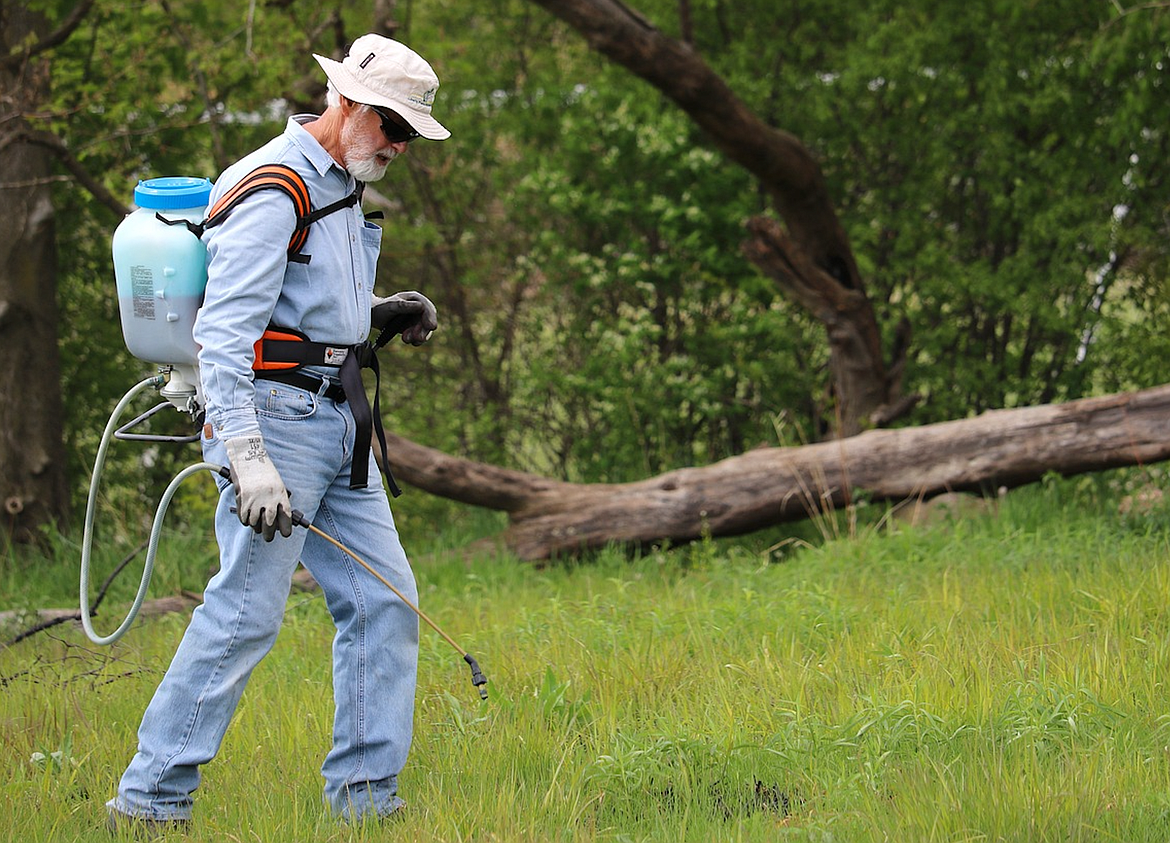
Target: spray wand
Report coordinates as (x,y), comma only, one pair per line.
(477,677)
(299,520)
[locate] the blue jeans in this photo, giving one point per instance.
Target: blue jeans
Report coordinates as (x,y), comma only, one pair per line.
(375,650)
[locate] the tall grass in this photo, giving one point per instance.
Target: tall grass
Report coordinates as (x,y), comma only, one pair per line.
(992,677)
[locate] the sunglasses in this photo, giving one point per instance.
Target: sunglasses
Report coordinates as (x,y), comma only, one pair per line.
(394,127)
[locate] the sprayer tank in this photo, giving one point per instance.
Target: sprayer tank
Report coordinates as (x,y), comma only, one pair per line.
(161,270)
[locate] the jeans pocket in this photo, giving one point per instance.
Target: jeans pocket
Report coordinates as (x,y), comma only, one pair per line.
(282,401)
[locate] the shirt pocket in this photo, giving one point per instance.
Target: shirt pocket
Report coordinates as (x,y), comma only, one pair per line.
(371,246)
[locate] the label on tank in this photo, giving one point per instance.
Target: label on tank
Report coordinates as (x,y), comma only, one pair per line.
(142,290)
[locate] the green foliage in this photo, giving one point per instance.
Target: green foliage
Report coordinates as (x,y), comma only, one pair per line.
(654,343)
(982,153)
(997,168)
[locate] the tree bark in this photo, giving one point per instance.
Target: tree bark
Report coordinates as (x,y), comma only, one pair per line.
(813,261)
(33,489)
(768,486)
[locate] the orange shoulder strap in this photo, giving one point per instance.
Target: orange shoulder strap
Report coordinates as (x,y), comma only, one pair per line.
(268,177)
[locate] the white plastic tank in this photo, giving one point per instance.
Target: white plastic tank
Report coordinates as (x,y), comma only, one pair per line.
(161,270)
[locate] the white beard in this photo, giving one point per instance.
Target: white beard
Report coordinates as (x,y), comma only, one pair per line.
(362,157)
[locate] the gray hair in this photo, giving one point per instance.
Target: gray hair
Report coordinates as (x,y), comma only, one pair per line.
(333,98)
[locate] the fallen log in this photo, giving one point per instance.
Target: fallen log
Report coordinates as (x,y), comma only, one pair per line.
(768,486)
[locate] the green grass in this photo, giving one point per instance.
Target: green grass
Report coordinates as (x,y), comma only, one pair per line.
(995,677)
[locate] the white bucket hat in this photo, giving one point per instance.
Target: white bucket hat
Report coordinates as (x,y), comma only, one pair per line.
(381,71)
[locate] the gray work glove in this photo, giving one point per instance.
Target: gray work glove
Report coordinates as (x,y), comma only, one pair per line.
(261,500)
(416,310)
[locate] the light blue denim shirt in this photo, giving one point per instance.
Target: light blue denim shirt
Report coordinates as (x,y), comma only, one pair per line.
(251,284)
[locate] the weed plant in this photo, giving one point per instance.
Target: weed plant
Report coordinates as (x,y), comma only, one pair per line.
(991,677)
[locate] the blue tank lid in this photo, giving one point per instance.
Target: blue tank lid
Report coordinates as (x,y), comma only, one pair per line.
(172,192)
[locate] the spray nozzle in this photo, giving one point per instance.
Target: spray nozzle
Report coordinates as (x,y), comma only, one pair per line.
(477,677)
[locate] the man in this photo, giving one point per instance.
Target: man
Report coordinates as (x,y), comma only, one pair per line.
(293,435)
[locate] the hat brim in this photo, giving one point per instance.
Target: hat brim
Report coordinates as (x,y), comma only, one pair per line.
(349,87)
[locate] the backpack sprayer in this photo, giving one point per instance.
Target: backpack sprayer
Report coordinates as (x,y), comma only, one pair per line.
(160,273)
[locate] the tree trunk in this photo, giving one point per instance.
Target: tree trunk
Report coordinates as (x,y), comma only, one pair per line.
(812,262)
(33,488)
(768,486)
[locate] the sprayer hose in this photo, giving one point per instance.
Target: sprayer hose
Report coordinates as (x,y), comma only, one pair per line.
(155,530)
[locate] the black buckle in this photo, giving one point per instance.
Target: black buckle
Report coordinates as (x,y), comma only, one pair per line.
(365,352)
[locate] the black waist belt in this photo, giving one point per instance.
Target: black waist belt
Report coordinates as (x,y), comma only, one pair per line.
(367,420)
(306,380)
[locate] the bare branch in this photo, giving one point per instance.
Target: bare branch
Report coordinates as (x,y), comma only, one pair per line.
(1141,7)
(26,184)
(769,486)
(685,23)
(54,617)
(1123,12)
(816,262)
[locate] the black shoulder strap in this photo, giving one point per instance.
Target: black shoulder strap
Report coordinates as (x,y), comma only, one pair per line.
(340,204)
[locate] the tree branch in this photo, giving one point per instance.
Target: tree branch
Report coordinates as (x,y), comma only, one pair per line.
(817,264)
(785,167)
(863,386)
(19,55)
(467,481)
(57,146)
(1141,7)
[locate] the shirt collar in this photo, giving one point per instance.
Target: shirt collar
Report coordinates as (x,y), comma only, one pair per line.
(308,145)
